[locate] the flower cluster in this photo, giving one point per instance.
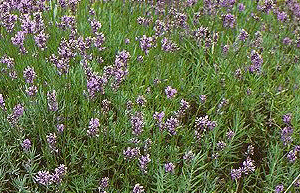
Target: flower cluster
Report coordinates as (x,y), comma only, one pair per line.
(131,153)
(171,124)
(51,140)
(93,127)
(45,178)
(137,123)
(146,43)
(169,167)
(18,111)
(52,103)
(138,189)
(143,161)
(168,45)
(170,92)
(248,166)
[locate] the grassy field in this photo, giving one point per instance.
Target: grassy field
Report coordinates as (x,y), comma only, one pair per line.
(145,96)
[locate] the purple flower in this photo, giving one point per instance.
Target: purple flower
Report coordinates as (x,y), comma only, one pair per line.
(41,39)
(127,41)
(168,45)
(138,189)
(60,128)
(286,135)
(29,75)
(106,106)
(292,156)
(279,188)
(104,182)
(52,103)
(43,178)
(287,41)
(131,153)
(137,123)
(170,92)
(144,160)
(169,167)
(236,173)
(189,156)
(18,111)
(248,166)
(256,60)
(31,91)
(51,140)
(230,134)
(26,144)
(282,16)
(93,127)
(141,100)
(243,35)
(2,102)
(229,20)
(287,118)
(95,25)
(203,98)
(221,145)
(159,116)
(61,170)
(172,124)
(241,7)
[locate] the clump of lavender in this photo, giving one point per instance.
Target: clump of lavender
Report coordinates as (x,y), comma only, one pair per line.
(43,178)
(229,20)
(243,35)
(60,128)
(93,127)
(137,123)
(146,43)
(41,40)
(52,103)
(169,167)
(144,160)
(230,134)
(131,153)
(203,123)
(292,156)
(282,16)
(184,106)
(171,124)
(241,7)
(159,116)
(287,41)
(29,74)
(221,145)
(287,118)
(250,150)
(248,166)
(188,156)
(236,173)
(168,45)
(26,144)
(95,25)
(51,140)
(106,105)
(170,92)
(31,91)
(141,101)
(59,173)
(18,40)
(279,188)
(147,145)
(18,111)
(2,103)
(99,40)
(256,61)
(286,135)
(103,184)
(138,189)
